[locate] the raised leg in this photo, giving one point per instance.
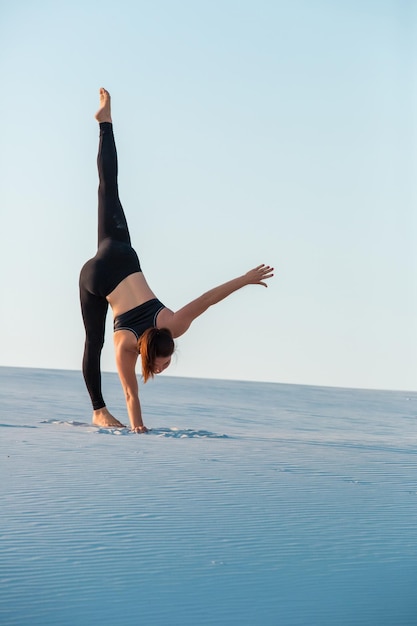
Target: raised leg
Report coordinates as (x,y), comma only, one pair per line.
(111,218)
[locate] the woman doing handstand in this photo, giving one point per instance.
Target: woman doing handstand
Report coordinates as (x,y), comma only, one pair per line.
(142,324)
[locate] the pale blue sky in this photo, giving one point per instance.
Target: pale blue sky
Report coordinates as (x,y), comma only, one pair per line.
(248,131)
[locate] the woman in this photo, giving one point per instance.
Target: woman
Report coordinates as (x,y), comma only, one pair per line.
(142,324)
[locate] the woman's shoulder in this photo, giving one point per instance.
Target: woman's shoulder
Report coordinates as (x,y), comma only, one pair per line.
(125,339)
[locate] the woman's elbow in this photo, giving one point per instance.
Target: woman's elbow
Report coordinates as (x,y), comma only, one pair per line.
(180,328)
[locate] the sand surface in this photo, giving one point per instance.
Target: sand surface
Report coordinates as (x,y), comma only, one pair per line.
(246,504)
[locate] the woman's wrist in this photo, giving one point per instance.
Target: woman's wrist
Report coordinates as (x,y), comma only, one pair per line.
(139,429)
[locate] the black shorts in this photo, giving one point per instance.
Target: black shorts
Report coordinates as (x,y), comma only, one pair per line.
(113,262)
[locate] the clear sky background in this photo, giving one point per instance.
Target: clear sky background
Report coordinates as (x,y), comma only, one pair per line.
(248,131)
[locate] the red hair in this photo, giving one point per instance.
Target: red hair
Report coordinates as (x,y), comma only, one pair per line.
(154,343)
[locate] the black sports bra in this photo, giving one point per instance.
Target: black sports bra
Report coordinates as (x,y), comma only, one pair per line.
(140,318)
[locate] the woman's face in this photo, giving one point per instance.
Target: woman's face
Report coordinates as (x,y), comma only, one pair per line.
(161,363)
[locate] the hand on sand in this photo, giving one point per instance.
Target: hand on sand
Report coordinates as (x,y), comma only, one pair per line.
(140,429)
(103,417)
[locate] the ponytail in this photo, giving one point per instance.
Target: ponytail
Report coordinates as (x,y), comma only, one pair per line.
(155,342)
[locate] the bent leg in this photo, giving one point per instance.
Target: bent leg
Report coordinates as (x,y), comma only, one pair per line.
(111,218)
(94,311)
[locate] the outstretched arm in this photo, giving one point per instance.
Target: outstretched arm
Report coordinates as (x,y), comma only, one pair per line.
(182,319)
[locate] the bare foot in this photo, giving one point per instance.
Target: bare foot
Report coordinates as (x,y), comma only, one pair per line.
(103,417)
(104,112)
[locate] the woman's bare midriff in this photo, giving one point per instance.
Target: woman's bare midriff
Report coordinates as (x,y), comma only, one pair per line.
(130,293)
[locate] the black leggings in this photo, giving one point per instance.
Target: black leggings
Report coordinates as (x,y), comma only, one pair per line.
(111,218)
(115,259)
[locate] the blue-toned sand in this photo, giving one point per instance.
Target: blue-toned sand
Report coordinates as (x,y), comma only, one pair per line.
(246,504)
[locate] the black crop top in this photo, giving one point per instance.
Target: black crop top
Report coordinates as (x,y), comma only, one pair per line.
(140,318)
